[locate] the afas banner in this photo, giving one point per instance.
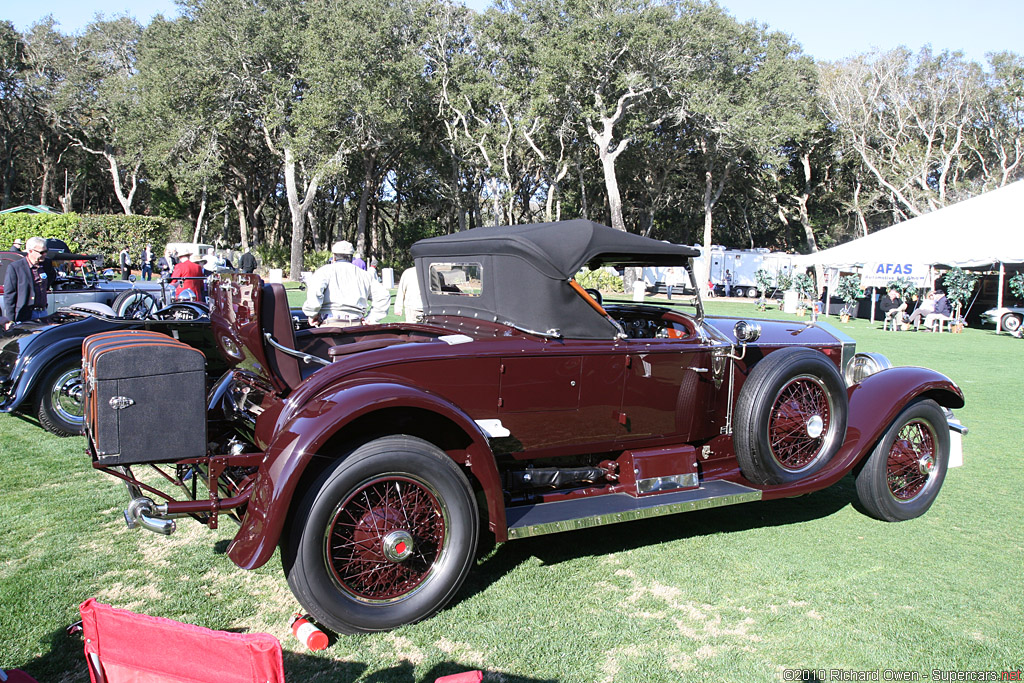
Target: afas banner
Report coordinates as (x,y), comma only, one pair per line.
(882,273)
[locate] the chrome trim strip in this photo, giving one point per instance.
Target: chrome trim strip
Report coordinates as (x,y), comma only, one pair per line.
(746,496)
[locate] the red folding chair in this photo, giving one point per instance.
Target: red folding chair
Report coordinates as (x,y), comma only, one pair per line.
(124,647)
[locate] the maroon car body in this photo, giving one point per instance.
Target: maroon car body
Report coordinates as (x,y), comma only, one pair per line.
(373,456)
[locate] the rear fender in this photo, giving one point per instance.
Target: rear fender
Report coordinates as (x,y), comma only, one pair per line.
(875,403)
(312,426)
(28,370)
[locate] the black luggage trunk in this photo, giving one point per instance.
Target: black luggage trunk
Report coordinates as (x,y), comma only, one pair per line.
(145,398)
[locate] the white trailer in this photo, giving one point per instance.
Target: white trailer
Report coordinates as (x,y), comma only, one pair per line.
(742,265)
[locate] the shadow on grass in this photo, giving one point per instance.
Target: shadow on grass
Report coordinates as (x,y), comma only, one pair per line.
(628,536)
(68,649)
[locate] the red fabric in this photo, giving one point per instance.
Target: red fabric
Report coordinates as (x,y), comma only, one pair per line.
(189,269)
(18,676)
(465,677)
(137,648)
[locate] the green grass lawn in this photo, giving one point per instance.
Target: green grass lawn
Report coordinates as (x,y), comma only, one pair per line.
(733,594)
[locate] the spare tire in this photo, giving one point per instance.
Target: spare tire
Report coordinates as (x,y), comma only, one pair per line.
(135,303)
(790,416)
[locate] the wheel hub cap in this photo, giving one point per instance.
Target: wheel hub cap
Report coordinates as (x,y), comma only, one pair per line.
(398,545)
(926,464)
(815,426)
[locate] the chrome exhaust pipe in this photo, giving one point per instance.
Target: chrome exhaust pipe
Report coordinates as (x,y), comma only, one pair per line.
(143,512)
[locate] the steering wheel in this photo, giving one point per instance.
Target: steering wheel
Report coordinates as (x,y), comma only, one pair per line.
(596,295)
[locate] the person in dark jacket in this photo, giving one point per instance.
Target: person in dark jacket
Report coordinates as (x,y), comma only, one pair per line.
(126,264)
(146,262)
(942,312)
(893,307)
(26,283)
(247,262)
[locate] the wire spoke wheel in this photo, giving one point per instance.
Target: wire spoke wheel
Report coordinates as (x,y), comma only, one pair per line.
(905,471)
(799,423)
(911,460)
(384,537)
(790,416)
(383,540)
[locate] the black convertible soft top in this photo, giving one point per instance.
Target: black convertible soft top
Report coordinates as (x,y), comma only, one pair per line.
(525,270)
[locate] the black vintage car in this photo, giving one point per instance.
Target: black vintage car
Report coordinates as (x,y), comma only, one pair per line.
(75,280)
(41,360)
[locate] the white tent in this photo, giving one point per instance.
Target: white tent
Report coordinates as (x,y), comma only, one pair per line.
(984,230)
(980,231)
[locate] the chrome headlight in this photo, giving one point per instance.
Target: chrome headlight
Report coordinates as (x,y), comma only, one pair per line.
(747,332)
(864,365)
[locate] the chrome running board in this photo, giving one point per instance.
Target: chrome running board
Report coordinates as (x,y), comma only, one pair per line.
(581,513)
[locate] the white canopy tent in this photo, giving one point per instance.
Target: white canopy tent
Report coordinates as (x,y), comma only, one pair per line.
(984,230)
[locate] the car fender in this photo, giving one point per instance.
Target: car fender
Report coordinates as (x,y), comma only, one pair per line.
(311,426)
(875,402)
(29,368)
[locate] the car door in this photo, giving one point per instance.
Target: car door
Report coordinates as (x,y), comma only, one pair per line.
(673,388)
(569,399)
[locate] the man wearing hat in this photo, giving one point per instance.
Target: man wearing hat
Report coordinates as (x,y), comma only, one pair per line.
(337,294)
(187,268)
(17,245)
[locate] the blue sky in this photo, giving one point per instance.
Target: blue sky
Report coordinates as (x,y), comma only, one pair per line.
(827,30)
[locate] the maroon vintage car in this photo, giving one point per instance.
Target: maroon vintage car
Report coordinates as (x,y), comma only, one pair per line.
(520,405)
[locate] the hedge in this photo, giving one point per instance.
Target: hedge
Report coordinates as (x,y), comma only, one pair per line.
(102,235)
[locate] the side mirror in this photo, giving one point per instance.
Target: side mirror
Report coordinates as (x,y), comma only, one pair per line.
(747,332)
(132,278)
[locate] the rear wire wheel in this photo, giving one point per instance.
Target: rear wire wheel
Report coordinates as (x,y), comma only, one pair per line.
(385,537)
(905,471)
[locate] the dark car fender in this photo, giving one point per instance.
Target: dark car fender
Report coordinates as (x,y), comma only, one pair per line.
(312,426)
(875,402)
(35,363)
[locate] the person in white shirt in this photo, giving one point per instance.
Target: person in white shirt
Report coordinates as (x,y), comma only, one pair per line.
(337,294)
(408,297)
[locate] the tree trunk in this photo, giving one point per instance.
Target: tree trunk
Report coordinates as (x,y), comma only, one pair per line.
(115,174)
(583,192)
(201,216)
(711,195)
(364,202)
(298,211)
(603,140)
(243,222)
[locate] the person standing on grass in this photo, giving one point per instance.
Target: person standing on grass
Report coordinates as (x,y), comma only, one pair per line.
(728,283)
(125,261)
(146,262)
(191,274)
(26,283)
(338,292)
(672,280)
(247,262)
(408,298)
